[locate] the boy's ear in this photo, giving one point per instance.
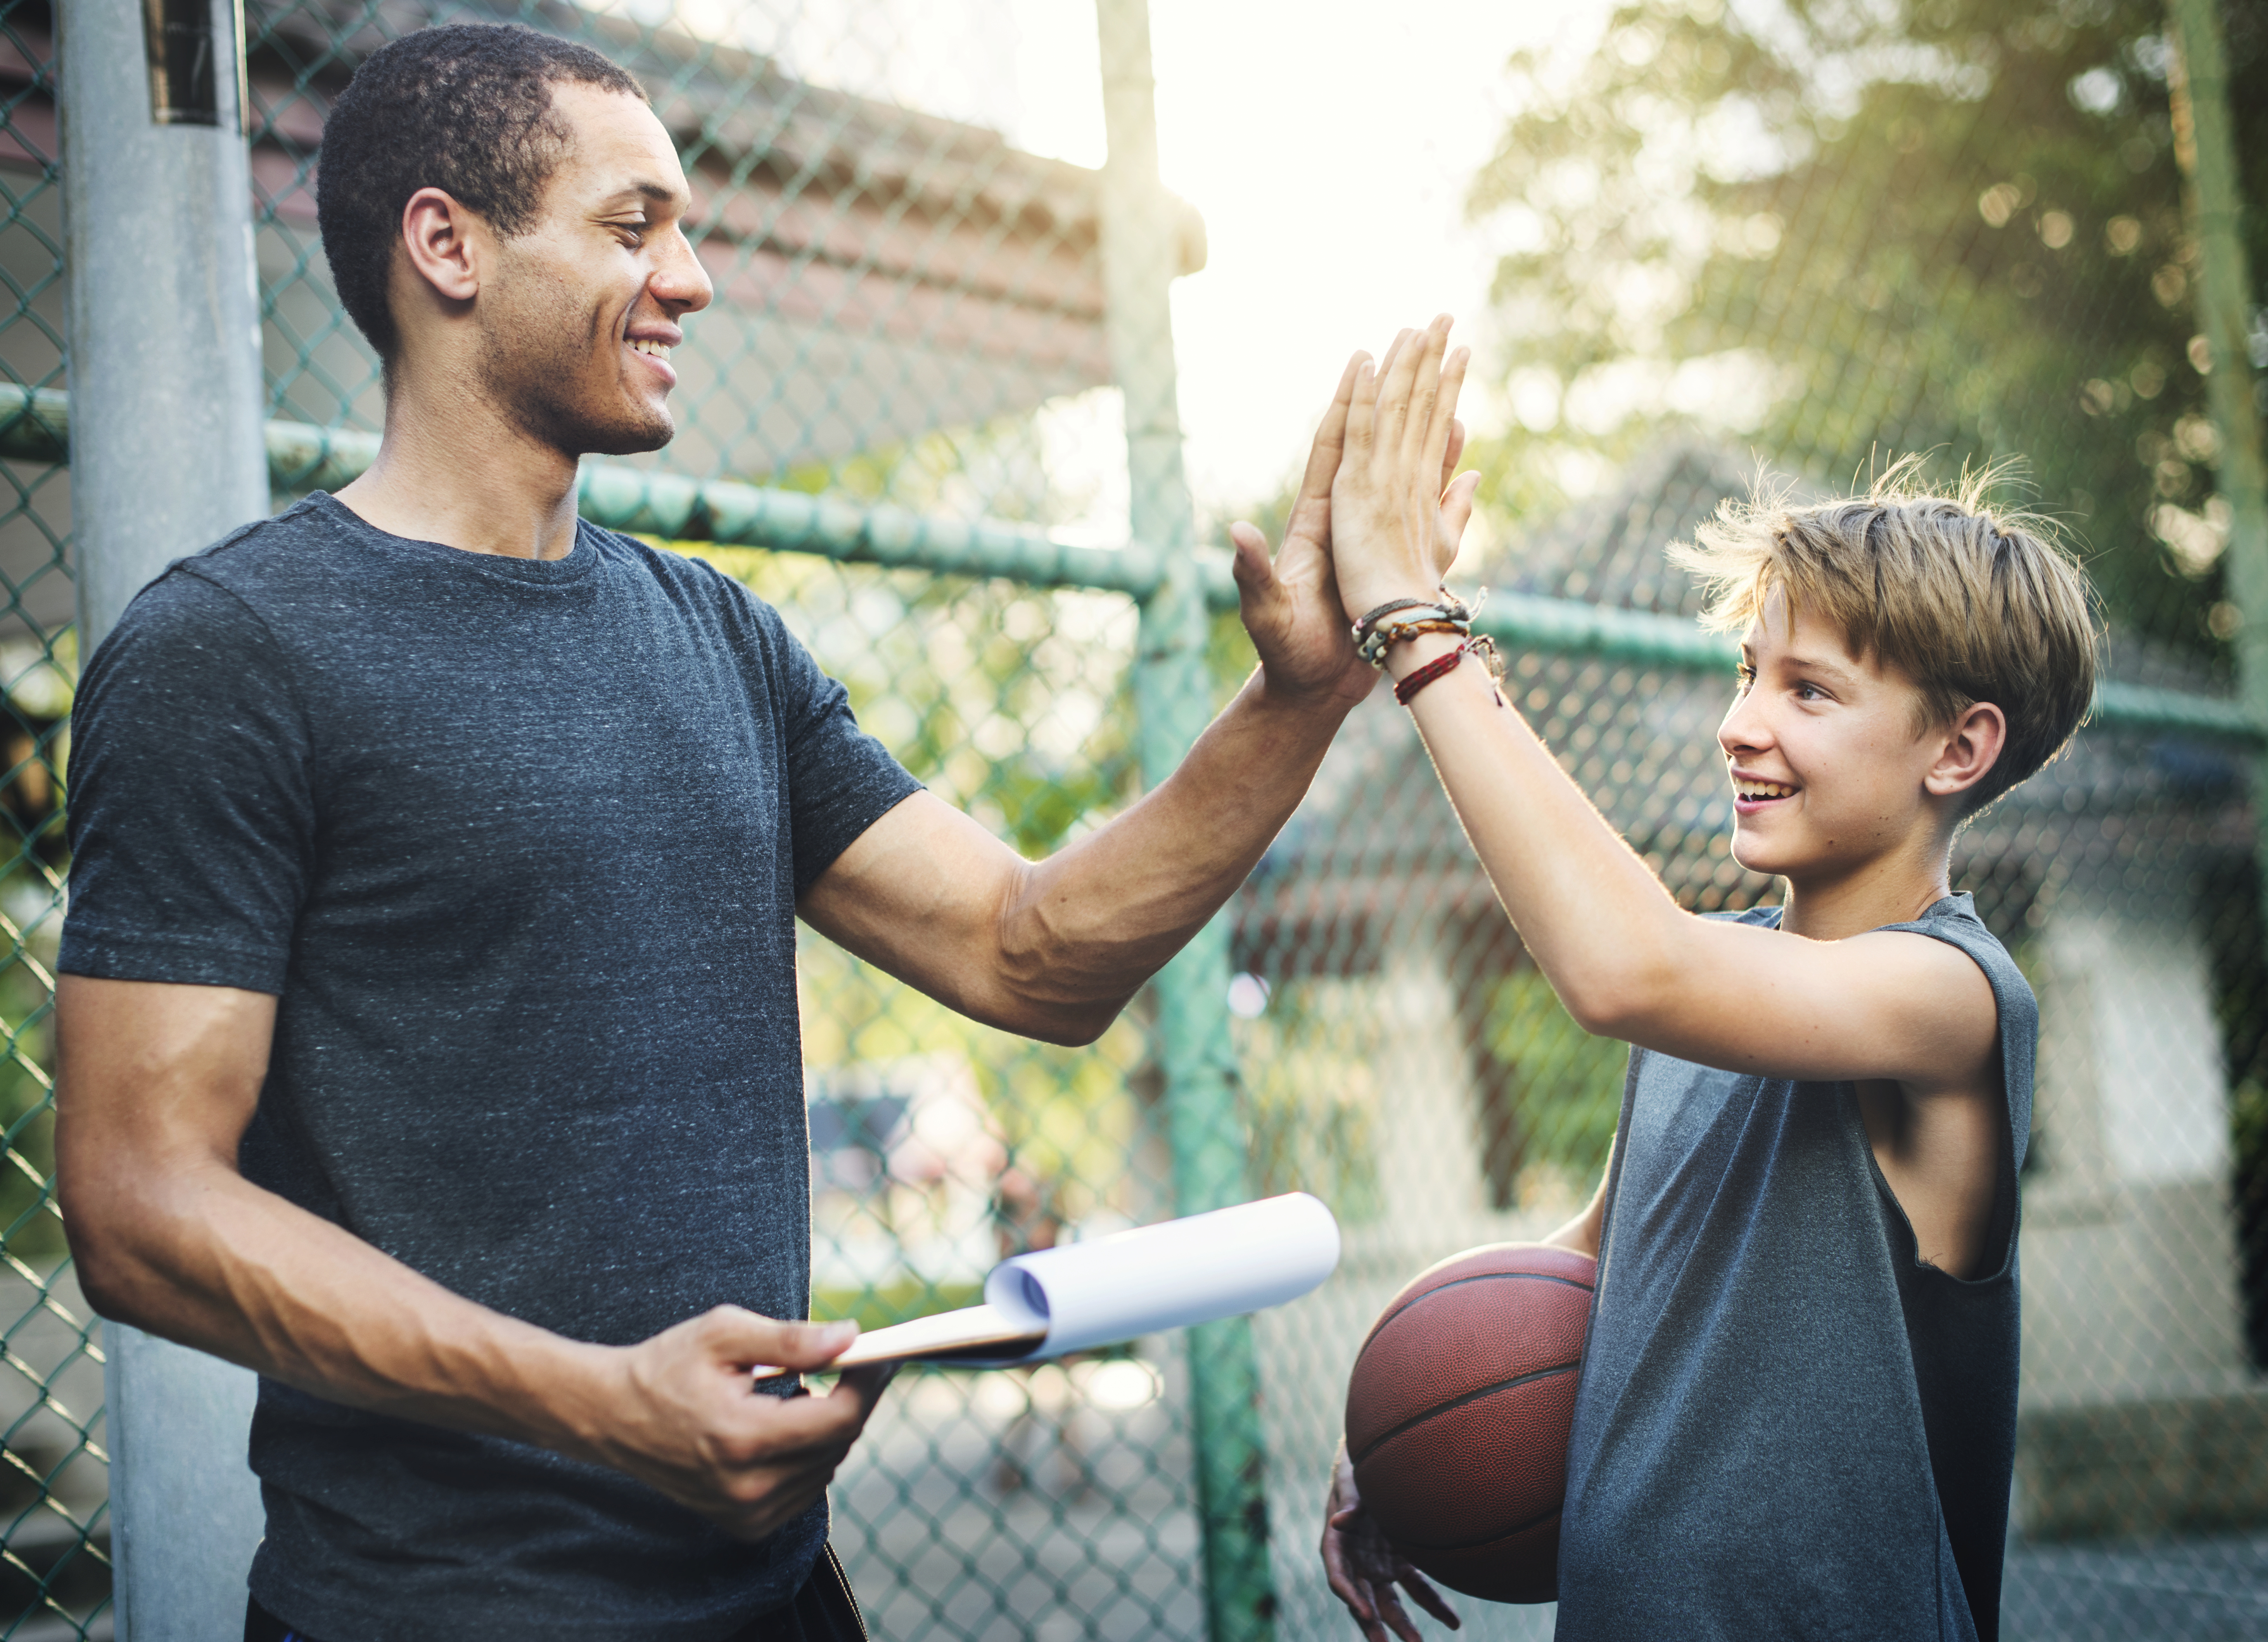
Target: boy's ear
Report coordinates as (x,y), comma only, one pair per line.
(1970,746)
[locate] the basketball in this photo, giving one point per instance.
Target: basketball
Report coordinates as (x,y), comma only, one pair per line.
(1457,1415)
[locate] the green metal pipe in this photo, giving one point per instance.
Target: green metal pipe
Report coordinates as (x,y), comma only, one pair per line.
(35,426)
(1173,686)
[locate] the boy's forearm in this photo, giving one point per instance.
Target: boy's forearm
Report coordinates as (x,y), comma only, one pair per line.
(1597,920)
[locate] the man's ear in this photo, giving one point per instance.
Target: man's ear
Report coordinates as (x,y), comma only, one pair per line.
(445,242)
(1968,749)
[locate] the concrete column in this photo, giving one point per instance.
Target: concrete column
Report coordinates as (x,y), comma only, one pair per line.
(166,455)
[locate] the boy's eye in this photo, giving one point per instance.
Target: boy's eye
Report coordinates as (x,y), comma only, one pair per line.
(1744,676)
(1811,692)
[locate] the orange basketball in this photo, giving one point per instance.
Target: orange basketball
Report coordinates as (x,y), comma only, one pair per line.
(1457,1416)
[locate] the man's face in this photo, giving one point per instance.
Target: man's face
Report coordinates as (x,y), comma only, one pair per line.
(577,328)
(1826,770)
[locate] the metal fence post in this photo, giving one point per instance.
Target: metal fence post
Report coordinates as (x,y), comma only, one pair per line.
(167,453)
(2206,142)
(1174,698)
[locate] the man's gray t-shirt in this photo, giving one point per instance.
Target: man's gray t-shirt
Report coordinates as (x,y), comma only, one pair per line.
(517,844)
(1788,1427)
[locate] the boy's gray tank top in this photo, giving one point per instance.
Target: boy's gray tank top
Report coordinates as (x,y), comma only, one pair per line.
(1788,1425)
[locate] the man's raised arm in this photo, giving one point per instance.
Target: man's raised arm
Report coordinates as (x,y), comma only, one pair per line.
(1054,949)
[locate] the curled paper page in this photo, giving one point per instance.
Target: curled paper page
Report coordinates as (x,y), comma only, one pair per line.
(1080,1295)
(1170,1275)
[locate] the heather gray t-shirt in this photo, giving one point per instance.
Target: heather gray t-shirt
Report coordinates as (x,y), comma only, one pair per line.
(517,846)
(1788,1427)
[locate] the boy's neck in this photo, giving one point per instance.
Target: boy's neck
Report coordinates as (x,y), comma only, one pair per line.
(1895,889)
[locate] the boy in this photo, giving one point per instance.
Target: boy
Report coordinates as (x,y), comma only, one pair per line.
(1797,1413)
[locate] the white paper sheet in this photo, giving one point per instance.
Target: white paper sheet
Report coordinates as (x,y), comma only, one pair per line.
(1170,1275)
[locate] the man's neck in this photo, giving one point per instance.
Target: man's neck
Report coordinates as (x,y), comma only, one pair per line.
(452,469)
(1896,888)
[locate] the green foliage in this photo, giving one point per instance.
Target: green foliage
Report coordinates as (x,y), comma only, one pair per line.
(1830,232)
(1566,1086)
(1312,1099)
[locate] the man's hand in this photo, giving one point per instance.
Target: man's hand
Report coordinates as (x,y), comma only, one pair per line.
(1397,516)
(689,1423)
(1363,1569)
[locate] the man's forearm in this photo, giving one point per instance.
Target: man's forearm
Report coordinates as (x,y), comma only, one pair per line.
(204,1256)
(1088,926)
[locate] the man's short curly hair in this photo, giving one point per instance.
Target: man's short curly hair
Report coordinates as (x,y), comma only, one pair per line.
(465,108)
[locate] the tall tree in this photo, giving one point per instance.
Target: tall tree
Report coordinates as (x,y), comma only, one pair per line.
(1831,229)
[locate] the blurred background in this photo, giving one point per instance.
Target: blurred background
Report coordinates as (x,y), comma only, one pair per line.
(980,393)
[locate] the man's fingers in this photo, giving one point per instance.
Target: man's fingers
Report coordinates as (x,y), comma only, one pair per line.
(1362,410)
(1249,556)
(1331,436)
(747,1340)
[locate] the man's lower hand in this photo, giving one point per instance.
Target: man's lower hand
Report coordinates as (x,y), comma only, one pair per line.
(1363,1567)
(689,1421)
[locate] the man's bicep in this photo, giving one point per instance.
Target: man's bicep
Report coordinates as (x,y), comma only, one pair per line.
(921,894)
(151,1067)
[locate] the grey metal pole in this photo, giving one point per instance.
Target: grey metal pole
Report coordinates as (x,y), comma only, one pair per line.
(167,454)
(1173,695)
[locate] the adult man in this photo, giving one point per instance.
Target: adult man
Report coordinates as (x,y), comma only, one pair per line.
(428,1026)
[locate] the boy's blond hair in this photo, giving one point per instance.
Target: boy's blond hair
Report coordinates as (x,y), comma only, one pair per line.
(1971,603)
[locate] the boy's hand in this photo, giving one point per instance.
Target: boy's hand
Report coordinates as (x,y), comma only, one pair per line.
(1363,1569)
(1397,519)
(1291,605)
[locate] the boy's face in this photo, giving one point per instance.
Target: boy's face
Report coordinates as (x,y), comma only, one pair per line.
(1827,771)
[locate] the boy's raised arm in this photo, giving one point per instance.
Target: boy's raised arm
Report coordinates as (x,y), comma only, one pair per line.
(1627,961)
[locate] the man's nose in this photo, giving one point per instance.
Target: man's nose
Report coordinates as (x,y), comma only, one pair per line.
(680,282)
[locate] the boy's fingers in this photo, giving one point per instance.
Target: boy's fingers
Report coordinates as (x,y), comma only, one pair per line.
(1455,453)
(1396,1617)
(1417,429)
(1396,376)
(1444,421)
(1457,509)
(1429,1599)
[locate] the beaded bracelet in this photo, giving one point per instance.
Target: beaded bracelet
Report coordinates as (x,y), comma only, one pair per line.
(1378,631)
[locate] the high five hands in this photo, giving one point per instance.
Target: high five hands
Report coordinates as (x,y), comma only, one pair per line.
(1382,460)
(1397,515)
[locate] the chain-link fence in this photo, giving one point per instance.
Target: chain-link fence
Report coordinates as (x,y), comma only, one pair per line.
(1804,240)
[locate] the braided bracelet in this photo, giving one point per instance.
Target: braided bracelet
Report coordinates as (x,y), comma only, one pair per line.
(1441,667)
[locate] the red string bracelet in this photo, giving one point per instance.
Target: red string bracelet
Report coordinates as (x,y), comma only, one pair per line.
(1440,667)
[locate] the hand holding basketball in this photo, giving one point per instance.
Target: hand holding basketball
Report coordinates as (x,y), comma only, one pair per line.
(1363,1567)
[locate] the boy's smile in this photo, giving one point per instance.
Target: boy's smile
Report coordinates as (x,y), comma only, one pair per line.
(1825,752)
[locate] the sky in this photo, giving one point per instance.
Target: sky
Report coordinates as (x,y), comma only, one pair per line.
(1328,144)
